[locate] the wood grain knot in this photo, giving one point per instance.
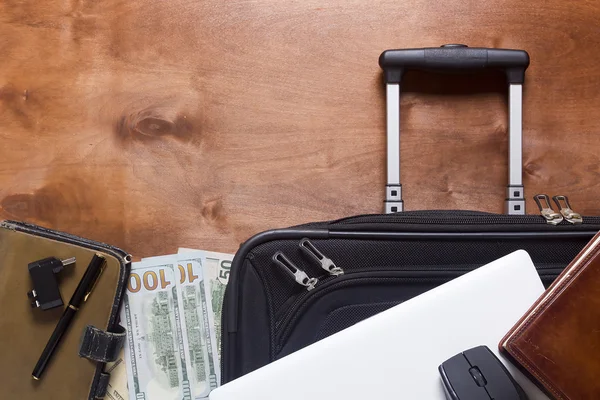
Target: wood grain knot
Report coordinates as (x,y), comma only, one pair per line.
(501,131)
(533,169)
(15,102)
(213,213)
(147,125)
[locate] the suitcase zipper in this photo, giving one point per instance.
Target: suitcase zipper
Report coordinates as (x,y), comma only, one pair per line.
(433,218)
(551,216)
(325,263)
(543,203)
(294,272)
(464,217)
(565,209)
(299,275)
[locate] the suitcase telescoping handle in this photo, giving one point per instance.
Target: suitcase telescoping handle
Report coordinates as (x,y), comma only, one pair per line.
(455,58)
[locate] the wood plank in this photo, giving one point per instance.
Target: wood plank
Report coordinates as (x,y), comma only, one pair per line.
(151,125)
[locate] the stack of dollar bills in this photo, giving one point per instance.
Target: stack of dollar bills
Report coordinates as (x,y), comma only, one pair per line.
(172,314)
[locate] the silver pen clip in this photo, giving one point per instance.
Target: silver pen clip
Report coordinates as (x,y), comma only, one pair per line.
(296,273)
(565,209)
(326,263)
(543,203)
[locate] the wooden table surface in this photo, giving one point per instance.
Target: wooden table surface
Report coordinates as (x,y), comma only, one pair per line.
(157,124)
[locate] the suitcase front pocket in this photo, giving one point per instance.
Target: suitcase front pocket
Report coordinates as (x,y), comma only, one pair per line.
(343,301)
(337,303)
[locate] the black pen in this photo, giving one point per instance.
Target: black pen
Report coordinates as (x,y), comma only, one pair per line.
(84,288)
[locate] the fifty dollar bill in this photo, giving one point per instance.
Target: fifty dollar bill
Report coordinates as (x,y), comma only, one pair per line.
(216,276)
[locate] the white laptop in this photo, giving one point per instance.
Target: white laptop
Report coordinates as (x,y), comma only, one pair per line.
(396,354)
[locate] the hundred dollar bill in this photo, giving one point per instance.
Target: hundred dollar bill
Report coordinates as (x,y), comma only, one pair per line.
(117,386)
(216,276)
(198,322)
(156,347)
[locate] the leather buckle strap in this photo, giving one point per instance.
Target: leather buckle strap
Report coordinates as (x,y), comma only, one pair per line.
(101,346)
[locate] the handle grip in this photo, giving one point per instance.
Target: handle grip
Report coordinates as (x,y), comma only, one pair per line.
(454,57)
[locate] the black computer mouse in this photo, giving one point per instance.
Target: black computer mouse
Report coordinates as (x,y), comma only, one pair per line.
(477,374)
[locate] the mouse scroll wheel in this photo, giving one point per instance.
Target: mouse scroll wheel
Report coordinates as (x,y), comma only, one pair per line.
(478,376)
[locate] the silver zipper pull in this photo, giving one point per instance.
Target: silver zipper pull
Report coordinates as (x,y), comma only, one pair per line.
(543,202)
(565,209)
(326,263)
(295,272)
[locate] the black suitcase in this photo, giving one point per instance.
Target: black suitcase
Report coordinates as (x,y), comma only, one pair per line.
(291,287)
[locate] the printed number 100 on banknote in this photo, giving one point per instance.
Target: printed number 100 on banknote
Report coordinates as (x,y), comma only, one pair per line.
(155,344)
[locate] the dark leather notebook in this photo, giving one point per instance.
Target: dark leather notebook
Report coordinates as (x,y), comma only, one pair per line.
(557,342)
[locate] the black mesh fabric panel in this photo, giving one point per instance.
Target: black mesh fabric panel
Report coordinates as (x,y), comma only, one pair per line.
(345,317)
